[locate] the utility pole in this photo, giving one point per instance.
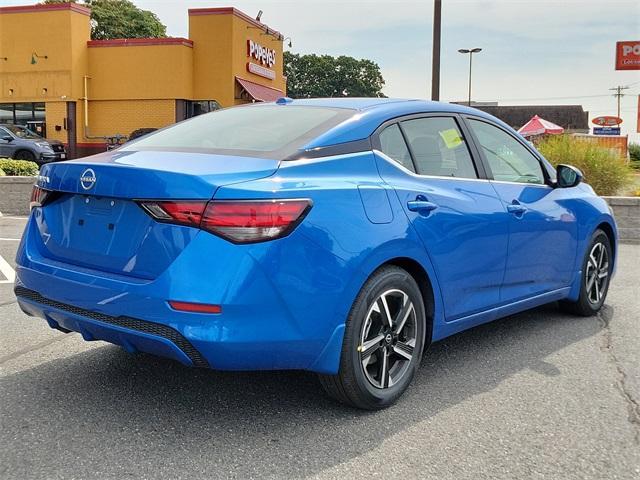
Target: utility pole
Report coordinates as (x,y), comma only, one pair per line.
(619,95)
(435,57)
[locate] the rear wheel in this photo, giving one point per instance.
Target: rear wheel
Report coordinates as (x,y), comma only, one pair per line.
(383,342)
(596,273)
(25,155)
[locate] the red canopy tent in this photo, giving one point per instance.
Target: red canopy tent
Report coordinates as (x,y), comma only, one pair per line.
(539,126)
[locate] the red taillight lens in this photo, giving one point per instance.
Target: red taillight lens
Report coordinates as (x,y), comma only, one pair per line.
(184,213)
(38,196)
(240,221)
(253,220)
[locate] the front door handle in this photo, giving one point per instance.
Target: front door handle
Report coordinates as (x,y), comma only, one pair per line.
(421,205)
(517,209)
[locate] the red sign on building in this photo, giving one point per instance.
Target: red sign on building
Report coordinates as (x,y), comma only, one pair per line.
(628,55)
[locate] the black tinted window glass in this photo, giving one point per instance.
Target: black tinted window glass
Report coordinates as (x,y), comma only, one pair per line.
(439,148)
(508,159)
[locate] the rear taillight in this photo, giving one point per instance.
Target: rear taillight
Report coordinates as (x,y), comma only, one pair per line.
(183,213)
(239,221)
(39,196)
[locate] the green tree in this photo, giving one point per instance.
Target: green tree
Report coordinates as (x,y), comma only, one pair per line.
(121,19)
(327,76)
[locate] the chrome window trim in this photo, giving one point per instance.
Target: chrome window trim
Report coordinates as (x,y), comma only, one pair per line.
(417,175)
(390,160)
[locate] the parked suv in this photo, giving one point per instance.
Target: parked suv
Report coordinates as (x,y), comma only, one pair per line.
(21,143)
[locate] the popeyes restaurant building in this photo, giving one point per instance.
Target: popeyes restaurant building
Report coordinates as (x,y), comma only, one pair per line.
(84,92)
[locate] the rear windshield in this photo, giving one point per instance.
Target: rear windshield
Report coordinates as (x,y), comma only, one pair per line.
(270,131)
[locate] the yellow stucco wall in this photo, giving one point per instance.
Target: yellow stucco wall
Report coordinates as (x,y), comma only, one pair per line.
(223,36)
(140,72)
(55,114)
(58,34)
(212,38)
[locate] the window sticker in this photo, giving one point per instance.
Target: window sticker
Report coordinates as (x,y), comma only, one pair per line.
(451,137)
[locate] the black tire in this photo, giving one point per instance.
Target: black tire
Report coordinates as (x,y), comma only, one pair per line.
(25,155)
(593,289)
(354,384)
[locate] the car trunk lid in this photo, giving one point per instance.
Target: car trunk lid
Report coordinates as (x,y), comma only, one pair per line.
(95,221)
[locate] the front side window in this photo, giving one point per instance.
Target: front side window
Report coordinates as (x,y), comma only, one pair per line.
(392,144)
(270,131)
(438,147)
(509,160)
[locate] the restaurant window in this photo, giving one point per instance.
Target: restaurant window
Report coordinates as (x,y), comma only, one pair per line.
(6,112)
(198,107)
(22,113)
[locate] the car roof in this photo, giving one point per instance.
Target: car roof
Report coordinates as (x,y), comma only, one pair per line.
(370,113)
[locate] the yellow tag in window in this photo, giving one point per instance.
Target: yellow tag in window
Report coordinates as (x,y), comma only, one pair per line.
(451,138)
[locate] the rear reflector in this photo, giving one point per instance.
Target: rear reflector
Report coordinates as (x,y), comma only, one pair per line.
(239,221)
(195,307)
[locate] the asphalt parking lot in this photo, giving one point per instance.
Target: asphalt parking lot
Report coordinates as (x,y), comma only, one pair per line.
(537,395)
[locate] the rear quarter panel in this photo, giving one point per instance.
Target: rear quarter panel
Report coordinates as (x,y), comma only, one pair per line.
(319,269)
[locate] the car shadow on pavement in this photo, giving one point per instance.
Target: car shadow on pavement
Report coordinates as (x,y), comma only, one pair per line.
(121,415)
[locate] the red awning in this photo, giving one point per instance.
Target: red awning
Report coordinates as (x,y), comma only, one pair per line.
(539,126)
(258,92)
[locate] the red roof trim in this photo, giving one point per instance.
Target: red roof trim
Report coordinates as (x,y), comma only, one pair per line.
(74,7)
(232,11)
(140,42)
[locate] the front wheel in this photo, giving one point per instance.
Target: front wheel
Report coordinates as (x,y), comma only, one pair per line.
(596,274)
(383,342)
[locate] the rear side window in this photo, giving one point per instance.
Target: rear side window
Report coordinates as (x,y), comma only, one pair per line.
(271,131)
(392,144)
(509,160)
(439,148)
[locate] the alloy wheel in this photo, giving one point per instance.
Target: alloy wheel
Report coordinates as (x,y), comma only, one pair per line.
(597,273)
(388,339)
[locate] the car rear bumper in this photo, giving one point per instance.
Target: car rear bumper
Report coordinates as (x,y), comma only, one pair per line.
(130,333)
(269,320)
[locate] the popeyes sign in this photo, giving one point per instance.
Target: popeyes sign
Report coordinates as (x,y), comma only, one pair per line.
(266,58)
(628,55)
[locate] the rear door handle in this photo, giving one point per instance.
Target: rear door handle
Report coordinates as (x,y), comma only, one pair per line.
(421,205)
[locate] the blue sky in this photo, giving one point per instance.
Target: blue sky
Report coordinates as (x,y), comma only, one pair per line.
(534,52)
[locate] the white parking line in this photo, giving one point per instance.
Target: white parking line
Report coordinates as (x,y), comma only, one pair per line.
(9,239)
(7,271)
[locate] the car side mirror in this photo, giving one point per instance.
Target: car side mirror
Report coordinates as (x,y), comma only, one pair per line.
(7,138)
(568,176)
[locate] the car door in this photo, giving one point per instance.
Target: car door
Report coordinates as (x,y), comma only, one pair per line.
(542,226)
(455,212)
(6,149)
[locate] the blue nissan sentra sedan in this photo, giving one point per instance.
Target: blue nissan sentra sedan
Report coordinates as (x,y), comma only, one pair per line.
(339,236)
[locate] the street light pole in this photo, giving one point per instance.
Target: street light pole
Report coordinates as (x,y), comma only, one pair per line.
(470,52)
